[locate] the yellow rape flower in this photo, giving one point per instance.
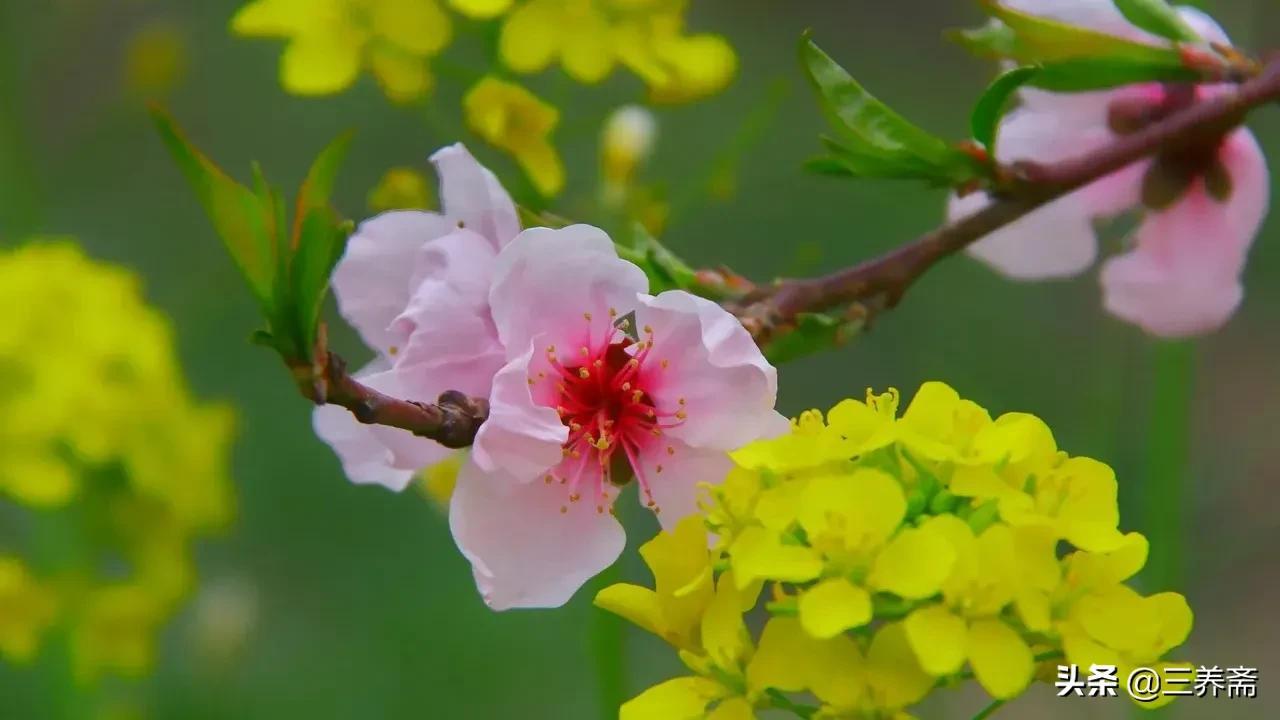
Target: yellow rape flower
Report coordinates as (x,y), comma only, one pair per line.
(853,548)
(400,188)
(116,632)
(438,481)
(155,59)
(683,586)
(808,445)
(626,143)
(720,688)
(111,432)
(481,9)
(589,38)
(26,610)
(516,121)
(899,550)
(937,425)
(330,41)
(850,681)
(1101,621)
(1034,484)
(993,570)
(677,67)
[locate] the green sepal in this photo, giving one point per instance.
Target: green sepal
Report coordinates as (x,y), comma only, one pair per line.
(1032,39)
(994,103)
(1088,74)
(1158,18)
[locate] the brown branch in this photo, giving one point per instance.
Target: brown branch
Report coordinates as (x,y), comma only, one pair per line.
(453,420)
(882,281)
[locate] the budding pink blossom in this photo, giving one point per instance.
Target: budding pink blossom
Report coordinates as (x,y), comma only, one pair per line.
(400,268)
(604,386)
(1203,206)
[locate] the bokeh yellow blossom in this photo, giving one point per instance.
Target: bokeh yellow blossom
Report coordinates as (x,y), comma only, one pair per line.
(626,143)
(27,608)
(516,121)
(898,554)
(112,438)
(155,59)
(438,481)
(401,188)
(330,41)
(481,9)
(589,38)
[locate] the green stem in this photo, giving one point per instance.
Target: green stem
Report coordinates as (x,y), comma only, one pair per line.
(1165,463)
(989,710)
(19,186)
(608,648)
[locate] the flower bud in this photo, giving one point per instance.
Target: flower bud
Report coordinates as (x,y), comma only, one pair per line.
(626,143)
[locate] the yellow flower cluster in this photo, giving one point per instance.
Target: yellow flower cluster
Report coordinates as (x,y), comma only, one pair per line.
(329,42)
(901,554)
(589,38)
(124,468)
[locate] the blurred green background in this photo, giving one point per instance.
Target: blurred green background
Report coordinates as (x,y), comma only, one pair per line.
(355,601)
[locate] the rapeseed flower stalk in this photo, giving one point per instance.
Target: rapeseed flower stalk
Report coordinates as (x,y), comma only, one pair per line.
(111,447)
(897,553)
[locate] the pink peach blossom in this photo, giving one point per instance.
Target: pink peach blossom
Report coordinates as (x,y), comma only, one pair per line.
(603,384)
(1181,276)
(592,383)
(405,267)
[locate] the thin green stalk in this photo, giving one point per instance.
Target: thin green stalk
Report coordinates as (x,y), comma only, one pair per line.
(989,710)
(608,650)
(1165,463)
(19,188)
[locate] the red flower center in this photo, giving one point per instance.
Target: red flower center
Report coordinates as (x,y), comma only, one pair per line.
(603,394)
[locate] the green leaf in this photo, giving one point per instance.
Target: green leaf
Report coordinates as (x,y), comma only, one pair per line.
(1038,39)
(813,332)
(827,165)
(1158,18)
(993,104)
(321,243)
(318,185)
(872,136)
(243,220)
(858,161)
(1087,74)
(288,272)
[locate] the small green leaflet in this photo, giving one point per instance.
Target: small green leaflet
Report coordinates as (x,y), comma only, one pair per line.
(287,268)
(871,140)
(1158,18)
(244,220)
